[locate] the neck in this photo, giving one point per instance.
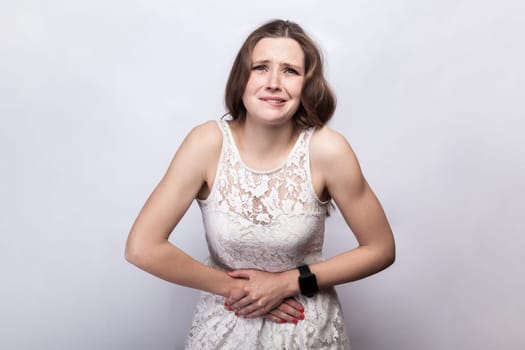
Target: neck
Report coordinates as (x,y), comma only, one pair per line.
(264,146)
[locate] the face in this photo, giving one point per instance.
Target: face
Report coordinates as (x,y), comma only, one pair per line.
(273,91)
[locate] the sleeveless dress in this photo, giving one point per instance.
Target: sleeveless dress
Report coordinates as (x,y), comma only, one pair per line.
(271,221)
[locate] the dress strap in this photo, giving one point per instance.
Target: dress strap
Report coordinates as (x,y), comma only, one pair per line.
(224,129)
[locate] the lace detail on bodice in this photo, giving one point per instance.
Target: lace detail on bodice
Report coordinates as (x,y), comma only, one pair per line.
(269,220)
(272,221)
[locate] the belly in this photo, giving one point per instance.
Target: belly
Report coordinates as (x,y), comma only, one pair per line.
(235,242)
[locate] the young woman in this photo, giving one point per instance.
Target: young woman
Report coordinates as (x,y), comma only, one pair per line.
(264,180)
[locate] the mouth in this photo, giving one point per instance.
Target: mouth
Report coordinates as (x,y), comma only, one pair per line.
(273,100)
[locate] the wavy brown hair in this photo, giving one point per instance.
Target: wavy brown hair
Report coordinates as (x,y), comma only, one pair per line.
(317,99)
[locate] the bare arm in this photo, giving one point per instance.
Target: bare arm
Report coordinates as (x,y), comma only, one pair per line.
(148,246)
(337,171)
(342,178)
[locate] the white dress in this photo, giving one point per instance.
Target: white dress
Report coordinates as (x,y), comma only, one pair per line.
(271,221)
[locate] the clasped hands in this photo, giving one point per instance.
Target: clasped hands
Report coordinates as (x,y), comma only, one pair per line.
(257,293)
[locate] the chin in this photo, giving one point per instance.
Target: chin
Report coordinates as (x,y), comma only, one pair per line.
(278,120)
(271,117)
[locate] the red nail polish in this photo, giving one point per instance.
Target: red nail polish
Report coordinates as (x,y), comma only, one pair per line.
(229,308)
(236,313)
(301,317)
(301,309)
(226,304)
(282,321)
(294,320)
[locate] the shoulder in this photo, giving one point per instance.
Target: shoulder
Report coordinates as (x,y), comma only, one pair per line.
(207,133)
(332,157)
(204,138)
(201,146)
(197,154)
(329,147)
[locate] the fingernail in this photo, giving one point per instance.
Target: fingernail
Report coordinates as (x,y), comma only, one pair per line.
(301,309)
(229,308)
(236,313)
(282,321)
(301,317)
(226,304)
(294,320)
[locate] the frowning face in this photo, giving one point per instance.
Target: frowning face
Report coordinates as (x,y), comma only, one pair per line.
(273,90)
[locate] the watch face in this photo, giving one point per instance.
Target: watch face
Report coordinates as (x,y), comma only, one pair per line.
(308,284)
(306,276)
(307,281)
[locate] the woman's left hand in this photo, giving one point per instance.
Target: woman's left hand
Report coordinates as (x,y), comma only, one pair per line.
(262,292)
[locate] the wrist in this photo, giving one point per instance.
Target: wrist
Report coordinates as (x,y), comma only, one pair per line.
(291,284)
(228,284)
(307,281)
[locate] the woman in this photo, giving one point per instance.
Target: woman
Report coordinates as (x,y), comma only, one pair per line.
(264,180)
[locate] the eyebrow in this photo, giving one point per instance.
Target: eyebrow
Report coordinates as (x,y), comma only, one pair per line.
(285,64)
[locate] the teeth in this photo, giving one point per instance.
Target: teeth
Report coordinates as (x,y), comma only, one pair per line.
(275,101)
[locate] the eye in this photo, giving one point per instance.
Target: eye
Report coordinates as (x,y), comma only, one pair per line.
(291,71)
(260,67)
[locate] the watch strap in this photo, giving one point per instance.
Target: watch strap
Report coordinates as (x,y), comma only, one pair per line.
(307,281)
(304,270)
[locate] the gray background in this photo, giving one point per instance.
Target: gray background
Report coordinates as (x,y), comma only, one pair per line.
(95,97)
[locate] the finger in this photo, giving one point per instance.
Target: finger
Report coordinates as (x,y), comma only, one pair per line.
(255,313)
(233,299)
(294,304)
(239,274)
(242,303)
(292,311)
(255,309)
(280,316)
(274,318)
(250,310)
(288,314)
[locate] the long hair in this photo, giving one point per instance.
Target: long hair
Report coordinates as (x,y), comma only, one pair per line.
(317,99)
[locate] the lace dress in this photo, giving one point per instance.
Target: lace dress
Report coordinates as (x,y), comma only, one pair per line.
(271,221)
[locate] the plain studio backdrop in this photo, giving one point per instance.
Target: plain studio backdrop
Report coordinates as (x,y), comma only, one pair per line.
(96,96)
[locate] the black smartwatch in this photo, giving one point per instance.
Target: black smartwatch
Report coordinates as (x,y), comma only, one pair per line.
(307,281)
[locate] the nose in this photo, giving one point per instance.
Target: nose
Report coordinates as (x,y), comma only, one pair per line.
(274,80)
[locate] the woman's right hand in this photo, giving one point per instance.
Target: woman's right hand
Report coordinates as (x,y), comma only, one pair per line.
(290,310)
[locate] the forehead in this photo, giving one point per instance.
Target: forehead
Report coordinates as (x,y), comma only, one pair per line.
(279,50)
